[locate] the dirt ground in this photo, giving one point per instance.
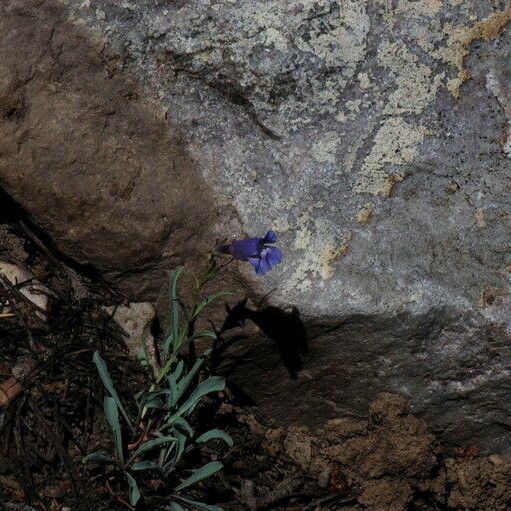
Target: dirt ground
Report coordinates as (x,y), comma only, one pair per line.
(387,462)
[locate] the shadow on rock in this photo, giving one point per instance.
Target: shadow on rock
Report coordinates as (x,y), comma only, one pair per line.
(284,328)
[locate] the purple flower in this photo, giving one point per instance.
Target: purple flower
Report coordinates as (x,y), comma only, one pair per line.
(256,251)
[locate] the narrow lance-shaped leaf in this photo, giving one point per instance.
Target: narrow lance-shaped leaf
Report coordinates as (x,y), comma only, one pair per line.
(109,385)
(151,444)
(198,308)
(174,302)
(167,343)
(173,394)
(174,506)
(181,442)
(134,492)
(202,473)
(112,416)
(212,384)
(214,434)
(145,465)
(200,335)
(186,380)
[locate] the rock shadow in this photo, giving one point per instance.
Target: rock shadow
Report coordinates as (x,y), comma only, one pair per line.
(284,328)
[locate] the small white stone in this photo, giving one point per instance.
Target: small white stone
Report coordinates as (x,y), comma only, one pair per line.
(33,290)
(135,319)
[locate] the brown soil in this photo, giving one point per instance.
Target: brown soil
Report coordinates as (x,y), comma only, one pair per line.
(387,462)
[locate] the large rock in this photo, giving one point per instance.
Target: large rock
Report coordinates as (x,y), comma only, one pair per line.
(374,136)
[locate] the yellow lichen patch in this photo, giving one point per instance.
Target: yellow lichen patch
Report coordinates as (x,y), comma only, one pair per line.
(416,88)
(481,219)
(320,251)
(331,253)
(460,39)
(365,214)
(395,143)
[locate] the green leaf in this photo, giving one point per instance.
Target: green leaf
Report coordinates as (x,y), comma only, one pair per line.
(198,308)
(202,473)
(143,356)
(134,493)
(183,424)
(151,444)
(175,422)
(174,506)
(174,302)
(112,416)
(215,434)
(145,465)
(98,457)
(109,385)
(186,380)
(200,335)
(211,384)
(173,391)
(155,402)
(181,442)
(201,506)
(169,340)
(148,397)
(178,371)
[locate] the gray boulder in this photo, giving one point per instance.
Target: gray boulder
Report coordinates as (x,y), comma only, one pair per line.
(373,136)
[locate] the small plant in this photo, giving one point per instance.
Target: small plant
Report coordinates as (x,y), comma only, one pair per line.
(161,433)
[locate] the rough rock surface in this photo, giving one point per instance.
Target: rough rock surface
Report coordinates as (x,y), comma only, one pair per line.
(373,135)
(389,460)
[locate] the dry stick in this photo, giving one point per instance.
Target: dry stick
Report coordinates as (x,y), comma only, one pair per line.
(9,390)
(55,438)
(330,499)
(11,290)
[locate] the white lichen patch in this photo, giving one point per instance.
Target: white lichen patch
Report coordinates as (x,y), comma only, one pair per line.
(353,106)
(364,81)
(351,154)
(325,149)
(419,8)
(416,86)
(276,38)
(303,238)
(396,143)
(495,87)
(348,37)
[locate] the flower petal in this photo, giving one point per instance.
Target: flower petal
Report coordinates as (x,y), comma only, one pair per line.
(264,266)
(273,256)
(271,237)
(254,261)
(244,249)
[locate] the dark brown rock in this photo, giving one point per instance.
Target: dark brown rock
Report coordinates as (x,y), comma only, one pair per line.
(90,157)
